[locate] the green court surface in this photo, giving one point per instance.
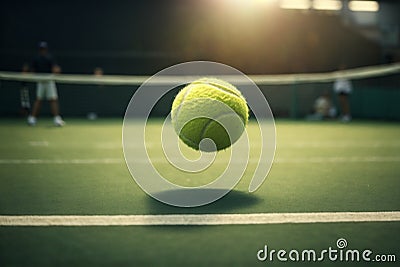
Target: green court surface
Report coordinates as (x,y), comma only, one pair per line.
(80,170)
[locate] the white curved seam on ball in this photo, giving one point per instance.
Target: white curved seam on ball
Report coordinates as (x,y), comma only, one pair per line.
(221,87)
(225,91)
(182,101)
(214,86)
(187,140)
(210,120)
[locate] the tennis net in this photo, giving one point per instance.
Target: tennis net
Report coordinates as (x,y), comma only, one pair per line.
(376,91)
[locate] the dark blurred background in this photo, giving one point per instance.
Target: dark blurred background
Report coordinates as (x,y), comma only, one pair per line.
(254,36)
(143,37)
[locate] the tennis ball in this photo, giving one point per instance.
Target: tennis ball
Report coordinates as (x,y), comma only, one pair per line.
(209,109)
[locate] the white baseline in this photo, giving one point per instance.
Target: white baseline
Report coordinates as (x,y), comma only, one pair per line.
(199,219)
(349,159)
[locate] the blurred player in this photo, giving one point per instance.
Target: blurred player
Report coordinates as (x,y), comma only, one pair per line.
(24,94)
(322,108)
(98,72)
(343,89)
(45,63)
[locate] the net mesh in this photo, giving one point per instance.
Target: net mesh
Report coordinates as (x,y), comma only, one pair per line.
(376,92)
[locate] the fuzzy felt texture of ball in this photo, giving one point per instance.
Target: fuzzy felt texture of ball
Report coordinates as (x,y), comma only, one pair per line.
(209,109)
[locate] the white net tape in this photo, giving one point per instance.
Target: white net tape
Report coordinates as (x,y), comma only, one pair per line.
(357,73)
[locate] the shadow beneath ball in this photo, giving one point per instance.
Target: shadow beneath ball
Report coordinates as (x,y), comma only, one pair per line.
(233,201)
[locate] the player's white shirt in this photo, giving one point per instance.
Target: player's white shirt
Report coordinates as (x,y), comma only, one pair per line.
(342,86)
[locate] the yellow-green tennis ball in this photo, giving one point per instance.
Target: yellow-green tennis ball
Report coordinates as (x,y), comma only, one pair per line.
(209,108)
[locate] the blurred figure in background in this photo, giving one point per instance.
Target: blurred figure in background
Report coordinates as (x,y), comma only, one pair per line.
(343,88)
(98,72)
(45,63)
(92,115)
(24,93)
(323,108)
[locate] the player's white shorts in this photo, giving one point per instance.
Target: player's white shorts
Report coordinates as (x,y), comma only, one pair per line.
(343,86)
(46,90)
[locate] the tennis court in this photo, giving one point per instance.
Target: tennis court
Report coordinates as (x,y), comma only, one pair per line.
(80,171)
(108,110)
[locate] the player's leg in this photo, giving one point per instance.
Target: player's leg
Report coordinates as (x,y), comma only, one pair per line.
(345,107)
(36,107)
(38,103)
(58,121)
(54,107)
(25,102)
(52,96)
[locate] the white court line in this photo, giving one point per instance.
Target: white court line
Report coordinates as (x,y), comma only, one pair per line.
(62,161)
(38,143)
(355,159)
(199,219)
(344,144)
(293,145)
(297,145)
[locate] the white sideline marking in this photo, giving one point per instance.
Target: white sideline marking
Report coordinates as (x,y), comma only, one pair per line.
(341,144)
(38,143)
(354,159)
(198,219)
(338,159)
(62,161)
(295,145)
